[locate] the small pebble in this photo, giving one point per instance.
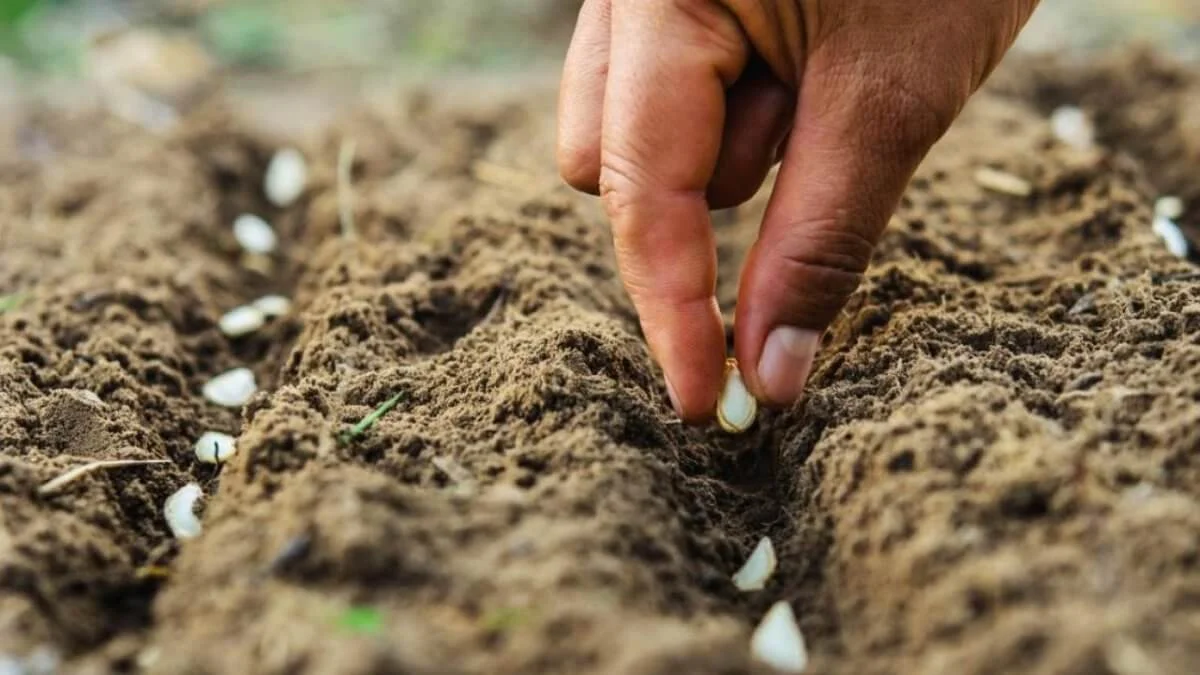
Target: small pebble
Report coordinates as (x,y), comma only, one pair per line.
(287,175)
(1003,182)
(737,408)
(777,641)
(242,320)
(215,447)
(1169,206)
(1172,236)
(231,389)
(758,568)
(180,514)
(273,305)
(255,234)
(1071,126)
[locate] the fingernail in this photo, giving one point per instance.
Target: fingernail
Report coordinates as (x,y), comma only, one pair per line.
(674,397)
(786,360)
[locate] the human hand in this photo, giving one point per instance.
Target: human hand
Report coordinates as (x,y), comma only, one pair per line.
(670,108)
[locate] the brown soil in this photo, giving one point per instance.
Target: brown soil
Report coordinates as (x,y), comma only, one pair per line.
(993,471)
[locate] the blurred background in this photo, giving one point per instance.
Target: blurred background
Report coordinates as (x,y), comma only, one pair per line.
(145,57)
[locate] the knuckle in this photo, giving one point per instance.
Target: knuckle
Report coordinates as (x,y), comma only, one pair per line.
(820,264)
(829,248)
(905,112)
(579,166)
(621,185)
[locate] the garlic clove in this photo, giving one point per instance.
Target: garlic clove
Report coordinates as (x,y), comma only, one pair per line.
(180,514)
(777,641)
(242,321)
(1172,236)
(286,177)
(758,568)
(254,234)
(1169,206)
(232,389)
(214,447)
(1003,182)
(273,305)
(1071,126)
(737,408)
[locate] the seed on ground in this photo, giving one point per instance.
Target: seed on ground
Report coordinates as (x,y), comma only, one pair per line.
(1072,126)
(737,408)
(758,568)
(242,321)
(287,175)
(255,234)
(777,641)
(231,389)
(273,305)
(214,447)
(1003,182)
(180,514)
(1172,236)
(1169,206)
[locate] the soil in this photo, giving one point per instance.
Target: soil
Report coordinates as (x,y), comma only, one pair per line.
(993,470)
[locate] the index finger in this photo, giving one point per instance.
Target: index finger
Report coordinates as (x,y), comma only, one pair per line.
(663,119)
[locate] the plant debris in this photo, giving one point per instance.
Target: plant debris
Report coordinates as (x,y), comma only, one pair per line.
(80,471)
(345,190)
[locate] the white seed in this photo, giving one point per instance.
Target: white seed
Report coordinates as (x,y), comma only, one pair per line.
(286,177)
(181,517)
(1169,206)
(1071,126)
(242,320)
(758,568)
(215,447)
(232,388)
(254,234)
(777,641)
(1003,182)
(1172,236)
(273,305)
(736,408)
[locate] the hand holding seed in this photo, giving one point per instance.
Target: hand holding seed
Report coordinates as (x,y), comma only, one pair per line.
(670,108)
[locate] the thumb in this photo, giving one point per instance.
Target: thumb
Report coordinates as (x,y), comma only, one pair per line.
(860,131)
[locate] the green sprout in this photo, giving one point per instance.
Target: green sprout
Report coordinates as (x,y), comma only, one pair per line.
(369,421)
(504,619)
(11,302)
(361,621)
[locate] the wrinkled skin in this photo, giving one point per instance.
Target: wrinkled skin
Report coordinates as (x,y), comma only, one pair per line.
(670,108)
